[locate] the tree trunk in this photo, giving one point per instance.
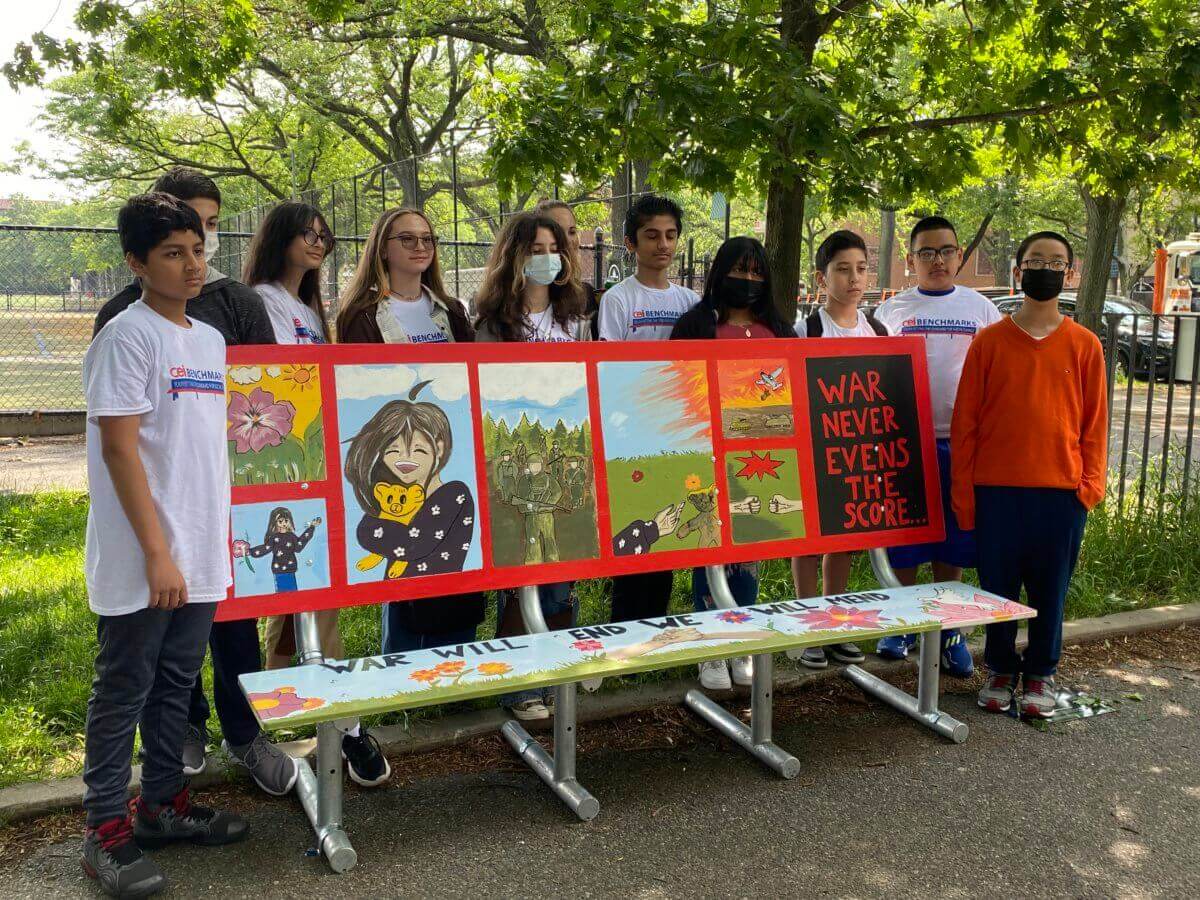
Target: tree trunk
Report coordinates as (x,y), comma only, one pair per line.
(1104,213)
(785,237)
(887,247)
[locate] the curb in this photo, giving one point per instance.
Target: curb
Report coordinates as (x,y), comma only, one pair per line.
(26,801)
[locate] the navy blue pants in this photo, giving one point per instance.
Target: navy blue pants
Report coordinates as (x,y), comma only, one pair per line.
(235,652)
(1027,537)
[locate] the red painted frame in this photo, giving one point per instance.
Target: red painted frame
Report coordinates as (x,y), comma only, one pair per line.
(795,352)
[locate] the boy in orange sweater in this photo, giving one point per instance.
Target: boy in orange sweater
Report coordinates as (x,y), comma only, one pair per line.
(1029,444)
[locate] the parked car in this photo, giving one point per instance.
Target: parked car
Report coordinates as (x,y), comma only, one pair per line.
(1133,351)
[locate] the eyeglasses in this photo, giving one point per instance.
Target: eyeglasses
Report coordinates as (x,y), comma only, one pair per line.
(1054,265)
(412,241)
(928,254)
(312,237)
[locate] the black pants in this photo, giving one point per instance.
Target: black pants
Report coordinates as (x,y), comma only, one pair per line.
(1028,537)
(235,652)
(146,665)
(641,596)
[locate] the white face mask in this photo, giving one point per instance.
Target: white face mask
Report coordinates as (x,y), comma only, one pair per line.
(212,244)
(543,268)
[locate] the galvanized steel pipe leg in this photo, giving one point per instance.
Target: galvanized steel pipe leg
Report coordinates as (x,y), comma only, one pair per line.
(558,771)
(321,793)
(756,739)
(924,706)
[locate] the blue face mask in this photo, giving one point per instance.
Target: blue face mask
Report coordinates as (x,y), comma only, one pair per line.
(543,268)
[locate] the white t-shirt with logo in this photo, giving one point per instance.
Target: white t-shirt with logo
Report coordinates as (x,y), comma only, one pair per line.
(415,317)
(542,328)
(630,311)
(292,321)
(948,322)
(173,378)
(830,328)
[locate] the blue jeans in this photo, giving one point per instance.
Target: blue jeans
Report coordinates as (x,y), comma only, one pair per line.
(285,581)
(743,584)
(555,599)
(1030,537)
(398,639)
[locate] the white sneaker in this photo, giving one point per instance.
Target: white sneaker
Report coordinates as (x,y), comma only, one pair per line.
(714,675)
(743,670)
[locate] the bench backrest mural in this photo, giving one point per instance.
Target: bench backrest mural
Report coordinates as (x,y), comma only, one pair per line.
(364,474)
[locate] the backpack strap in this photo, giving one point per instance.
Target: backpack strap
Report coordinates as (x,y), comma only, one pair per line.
(878,327)
(813,326)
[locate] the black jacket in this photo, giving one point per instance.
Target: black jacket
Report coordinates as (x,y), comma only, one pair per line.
(227,305)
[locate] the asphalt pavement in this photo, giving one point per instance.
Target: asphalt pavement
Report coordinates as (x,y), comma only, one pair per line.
(1105,807)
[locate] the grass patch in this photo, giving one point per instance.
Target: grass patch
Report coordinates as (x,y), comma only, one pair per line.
(47,633)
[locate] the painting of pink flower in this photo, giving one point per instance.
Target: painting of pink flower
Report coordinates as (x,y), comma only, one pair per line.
(240,548)
(733,617)
(588,645)
(841,617)
(257,421)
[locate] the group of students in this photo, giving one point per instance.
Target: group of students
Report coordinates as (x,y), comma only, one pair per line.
(1019,410)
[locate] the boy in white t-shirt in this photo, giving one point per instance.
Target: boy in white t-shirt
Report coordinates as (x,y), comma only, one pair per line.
(645,307)
(948,317)
(841,271)
(157,557)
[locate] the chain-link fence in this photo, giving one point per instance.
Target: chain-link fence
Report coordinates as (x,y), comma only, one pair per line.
(53,281)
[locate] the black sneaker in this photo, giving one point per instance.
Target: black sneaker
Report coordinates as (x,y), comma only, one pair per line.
(182,820)
(365,762)
(111,857)
(846,653)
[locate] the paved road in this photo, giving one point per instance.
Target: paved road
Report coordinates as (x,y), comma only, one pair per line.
(1103,808)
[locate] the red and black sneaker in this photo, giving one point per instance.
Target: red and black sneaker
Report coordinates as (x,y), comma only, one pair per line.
(111,856)
(182,820)
(997,695)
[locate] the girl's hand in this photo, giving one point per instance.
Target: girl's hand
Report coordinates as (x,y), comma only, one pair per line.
(315,522)
(167,587)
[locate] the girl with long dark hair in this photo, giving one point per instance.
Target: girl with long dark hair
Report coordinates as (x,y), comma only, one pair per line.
(736,304)
(284,265)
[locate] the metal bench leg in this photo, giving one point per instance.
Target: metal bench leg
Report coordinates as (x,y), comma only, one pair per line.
(557,771)
(755,739)
(924,706)
(320,793)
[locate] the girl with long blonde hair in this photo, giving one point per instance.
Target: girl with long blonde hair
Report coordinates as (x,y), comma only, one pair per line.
(396,294)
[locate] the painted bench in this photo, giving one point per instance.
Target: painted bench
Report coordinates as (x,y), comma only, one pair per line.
(329,692)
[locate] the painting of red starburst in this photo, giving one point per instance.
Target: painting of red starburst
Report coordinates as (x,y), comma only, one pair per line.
(764,495)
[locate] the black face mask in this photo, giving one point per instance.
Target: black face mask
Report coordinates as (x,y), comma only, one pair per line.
(740,293)
(1042,284)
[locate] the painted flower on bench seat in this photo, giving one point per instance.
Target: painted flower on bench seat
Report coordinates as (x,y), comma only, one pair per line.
(494,668)
(588,645)
(734,616)
(451,667)
(841,617)
(455,670)
(425,676)
(282,702)
(955,609)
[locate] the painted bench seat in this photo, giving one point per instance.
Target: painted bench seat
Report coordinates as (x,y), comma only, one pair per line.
(336,689)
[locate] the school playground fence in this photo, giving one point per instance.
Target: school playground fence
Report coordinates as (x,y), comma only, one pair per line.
(53,280)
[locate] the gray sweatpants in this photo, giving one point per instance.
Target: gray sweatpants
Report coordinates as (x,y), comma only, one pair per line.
(145,668)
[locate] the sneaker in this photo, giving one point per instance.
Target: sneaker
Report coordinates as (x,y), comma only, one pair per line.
(365,762)
(182,820)
(1040,697)
(111,856)
(956,658)
(814,658)
(195,745)
(714,675)
(742,670)
(997,695)
(272,769)
(548,700)
(530,710)
(896,646)
(845,653)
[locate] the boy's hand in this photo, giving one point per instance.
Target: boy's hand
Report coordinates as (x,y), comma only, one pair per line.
(167,587)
